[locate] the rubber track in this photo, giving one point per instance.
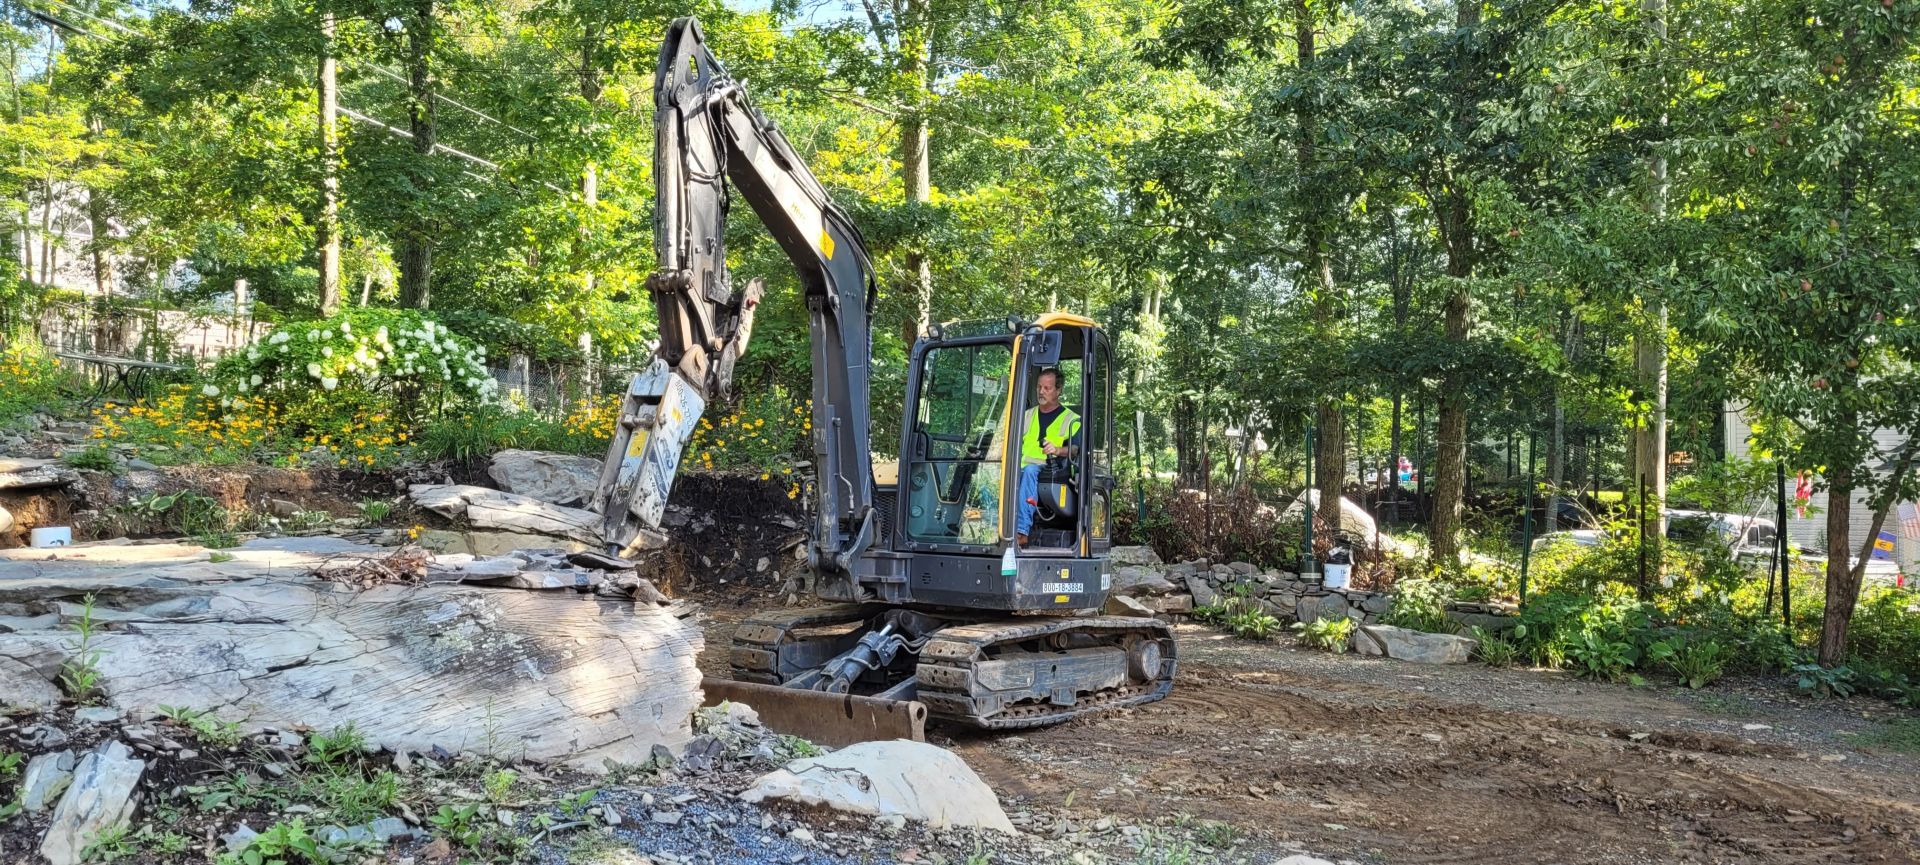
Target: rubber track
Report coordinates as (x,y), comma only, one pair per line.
(956,649)
(782,623)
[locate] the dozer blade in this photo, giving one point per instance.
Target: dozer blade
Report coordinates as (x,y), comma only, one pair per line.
(834,720)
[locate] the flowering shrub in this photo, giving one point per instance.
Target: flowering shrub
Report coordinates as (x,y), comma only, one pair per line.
(31,376)
(766,433)
(183,426)
(393,351)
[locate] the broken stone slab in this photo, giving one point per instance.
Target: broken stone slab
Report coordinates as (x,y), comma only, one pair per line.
(1123,605)
(559,479)
(1136,556)
(492,509)
(1135,580)
(1172,604)
(1409,645)
(50,474)
(46,778)
(1202,591)
(100,797)
(495,543)
(551,675)
(914,780)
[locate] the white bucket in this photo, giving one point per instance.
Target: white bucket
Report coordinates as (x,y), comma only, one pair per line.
(51,536)
(1334,576)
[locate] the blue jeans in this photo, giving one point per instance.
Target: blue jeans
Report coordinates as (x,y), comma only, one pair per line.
(1028,501)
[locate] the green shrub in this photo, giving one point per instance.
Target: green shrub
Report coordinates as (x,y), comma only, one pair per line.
(97,459)
(398,352)
(1696,661)
(1420,604)
(33,378)
(282,844)
(1331,635)
(1817,681)
(1492,648)
(1251,622)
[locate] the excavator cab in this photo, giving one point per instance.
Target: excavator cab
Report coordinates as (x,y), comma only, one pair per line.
(972,402)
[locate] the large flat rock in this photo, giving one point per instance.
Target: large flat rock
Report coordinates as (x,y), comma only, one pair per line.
(1410,645)
(561,479)
(555,676)
(914,780)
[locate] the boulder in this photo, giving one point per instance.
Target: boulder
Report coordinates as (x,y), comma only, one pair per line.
(1202,591)
(492,509)
(1135,580)
(1314,607)
(1172,604)
(1354,519)
(913,780)
(545,675)
(1144,556)
(6,520)
(559,479)
(1416,646)
(1244,569)
(100,797)
(46,777)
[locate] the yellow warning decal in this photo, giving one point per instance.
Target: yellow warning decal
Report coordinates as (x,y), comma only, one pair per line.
(1061,599)
(826,243)
(1065,573)
(638,444)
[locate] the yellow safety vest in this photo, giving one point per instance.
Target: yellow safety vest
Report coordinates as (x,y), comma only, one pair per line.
(1065,425)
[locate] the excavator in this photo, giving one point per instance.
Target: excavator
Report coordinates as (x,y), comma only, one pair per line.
(938,610)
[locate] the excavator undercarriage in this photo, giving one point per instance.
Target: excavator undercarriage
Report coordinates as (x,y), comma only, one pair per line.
(976,670)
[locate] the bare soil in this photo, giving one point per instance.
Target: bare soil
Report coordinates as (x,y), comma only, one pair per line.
(1390,762)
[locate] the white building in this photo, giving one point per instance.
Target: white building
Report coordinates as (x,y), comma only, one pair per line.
(1811,532)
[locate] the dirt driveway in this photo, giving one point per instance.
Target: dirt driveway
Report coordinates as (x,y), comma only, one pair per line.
(1399,763)
(1390,762)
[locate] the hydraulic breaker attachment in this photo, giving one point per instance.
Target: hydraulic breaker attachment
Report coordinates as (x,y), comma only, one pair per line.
(821,717)
(657,418)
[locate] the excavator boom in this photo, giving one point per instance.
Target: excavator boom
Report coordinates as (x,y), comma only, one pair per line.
(709,140)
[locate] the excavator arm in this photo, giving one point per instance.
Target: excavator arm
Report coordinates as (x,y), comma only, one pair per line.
(709,141)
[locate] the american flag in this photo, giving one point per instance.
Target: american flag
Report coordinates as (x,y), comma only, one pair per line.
(1910,520)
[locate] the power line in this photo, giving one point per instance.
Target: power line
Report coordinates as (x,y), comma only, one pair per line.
(394,131)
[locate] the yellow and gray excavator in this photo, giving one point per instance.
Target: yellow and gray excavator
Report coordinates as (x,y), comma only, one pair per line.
(940,611)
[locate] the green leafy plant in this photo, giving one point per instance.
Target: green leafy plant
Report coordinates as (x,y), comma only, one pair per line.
(204,725)
(1817,681)
(348,794)
(285,843)
(336,746)
(97,459)
(375,510)
(1330,635)
(80,675)
(217,557)
(799,747)
(1597,655)
(1420,604)
(1696,662)
(1900,734)
(1493,648)
(498,785)
(1210,614)
(1252,623)
(110,844)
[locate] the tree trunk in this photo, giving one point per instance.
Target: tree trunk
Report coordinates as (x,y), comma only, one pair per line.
(1843,587)
(1330,451)
(1557,453)
(1650,358)
(916,49)
(416,246)
(327,227)
(1456,230)
(98,227)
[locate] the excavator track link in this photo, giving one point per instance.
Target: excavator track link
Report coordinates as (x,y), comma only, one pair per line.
(1006,675)
(769,649)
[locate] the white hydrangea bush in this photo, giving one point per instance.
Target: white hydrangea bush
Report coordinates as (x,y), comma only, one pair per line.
(375,350)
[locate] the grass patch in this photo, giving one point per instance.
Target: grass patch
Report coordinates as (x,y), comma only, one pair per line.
(1902,735)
